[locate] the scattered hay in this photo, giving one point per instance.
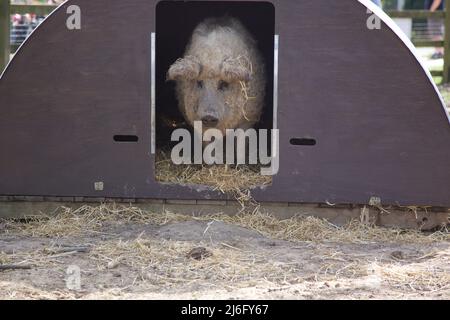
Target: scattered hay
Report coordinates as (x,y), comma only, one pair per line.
(311,229)
(67,222)
(91,219)
(19,291)
(152,264)
(223,178)
(165,264)
(426,274)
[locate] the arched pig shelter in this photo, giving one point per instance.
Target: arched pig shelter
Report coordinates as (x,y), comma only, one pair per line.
(379,123)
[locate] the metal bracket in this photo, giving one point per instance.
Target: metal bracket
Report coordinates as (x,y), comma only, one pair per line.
(153,94)
(375,202)
(99,186)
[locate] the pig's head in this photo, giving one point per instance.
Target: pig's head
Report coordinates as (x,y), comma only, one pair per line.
(220,80)
(217,98)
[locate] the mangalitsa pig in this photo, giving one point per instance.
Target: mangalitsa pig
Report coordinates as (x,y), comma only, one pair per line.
(220,80)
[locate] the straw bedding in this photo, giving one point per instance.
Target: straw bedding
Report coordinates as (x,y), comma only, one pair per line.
(223,178)
(325,256)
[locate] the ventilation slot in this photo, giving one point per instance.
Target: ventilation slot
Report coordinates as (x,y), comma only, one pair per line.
(303,142)
(126,139)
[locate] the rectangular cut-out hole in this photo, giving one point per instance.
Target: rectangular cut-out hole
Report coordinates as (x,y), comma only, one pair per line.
(171,44)
(303,142)
(126,138)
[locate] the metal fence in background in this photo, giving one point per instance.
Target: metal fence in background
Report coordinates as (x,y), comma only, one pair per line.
(21,28)
(427,33)
(423,31)
(13,31)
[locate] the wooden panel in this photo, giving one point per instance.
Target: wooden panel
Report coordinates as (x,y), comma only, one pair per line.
(380,127)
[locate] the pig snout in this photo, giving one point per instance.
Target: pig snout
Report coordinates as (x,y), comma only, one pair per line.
(209,109)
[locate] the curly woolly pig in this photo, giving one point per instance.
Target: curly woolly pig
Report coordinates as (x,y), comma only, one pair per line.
(220,81)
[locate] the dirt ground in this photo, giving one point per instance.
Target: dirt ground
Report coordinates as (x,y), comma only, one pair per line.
(122,252)
(125,253)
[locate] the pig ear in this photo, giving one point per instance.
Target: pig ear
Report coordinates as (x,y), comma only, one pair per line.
(186,68)
(236,69)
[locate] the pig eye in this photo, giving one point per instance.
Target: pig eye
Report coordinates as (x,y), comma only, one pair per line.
(223,85)
(200,84)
